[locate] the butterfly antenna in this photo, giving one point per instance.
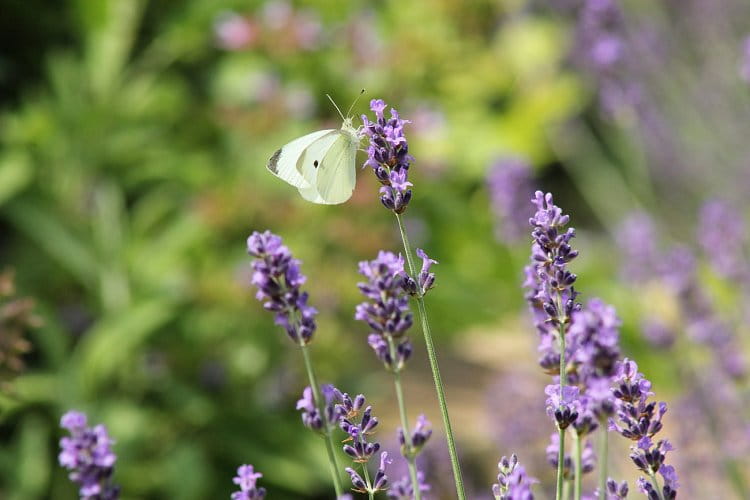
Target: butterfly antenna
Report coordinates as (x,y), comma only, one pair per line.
(337,108)
(355,102)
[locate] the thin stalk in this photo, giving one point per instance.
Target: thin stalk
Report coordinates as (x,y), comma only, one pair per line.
(578,485)
(435,369)
(326,430)
(560,460)
(366,474)
(655,482)
(566,490)
(410,459)
(561,450)
(603,452)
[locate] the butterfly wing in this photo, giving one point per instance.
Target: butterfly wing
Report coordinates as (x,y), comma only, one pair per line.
(337,173)
(285,162)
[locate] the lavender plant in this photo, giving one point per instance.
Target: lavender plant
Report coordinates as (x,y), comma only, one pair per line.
(87,454)
(509,184)
(278,278)
(388,156)
(247,479)
(512,481)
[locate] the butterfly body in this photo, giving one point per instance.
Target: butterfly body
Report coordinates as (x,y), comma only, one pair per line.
(321,165)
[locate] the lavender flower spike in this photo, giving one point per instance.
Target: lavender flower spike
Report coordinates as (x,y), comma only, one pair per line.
(246,479)
(311,417)
(403,489)
(411,445)
(512,481)
(88,455)
(509,184)
(388,155)
(386,311)
(278,278)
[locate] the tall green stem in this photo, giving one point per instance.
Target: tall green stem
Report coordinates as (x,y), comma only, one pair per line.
(410,459)
(577,486)
(603,452)
(561,450)
(435,369)
(326,430)
(366,474)
(655,482)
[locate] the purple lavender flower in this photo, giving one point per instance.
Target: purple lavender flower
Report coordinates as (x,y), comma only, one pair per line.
(639,421)
(509,184)
(550,282)
(723,239)
(512,481)
(614,490)
(588,457)
(311,417)
(387,309)
(278,278)
(388,155)
(403,490)
(425,280)
(88,455)
(246,479)
(411,445)
(637,238)
(563,410)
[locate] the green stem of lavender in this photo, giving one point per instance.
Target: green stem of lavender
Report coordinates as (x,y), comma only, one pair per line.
(566,490)
(561,450)
(603,452)
(578,485)
(366,474)
(655,482)
(410,459)
(326,430)
(435,369)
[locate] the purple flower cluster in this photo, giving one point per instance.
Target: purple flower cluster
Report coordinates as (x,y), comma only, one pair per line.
(512,481)
(359,426)
(311,417)
(640,420)
(403,490)
(388,155)
(387,309)
(277,276)
(246,479)
(412,444)
(88,455)
(722,236)
(588,457)
(549,284)
(615,491)
(509,183)
(563,406)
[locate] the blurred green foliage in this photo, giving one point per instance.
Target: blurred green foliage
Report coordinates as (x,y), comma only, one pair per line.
(132,153)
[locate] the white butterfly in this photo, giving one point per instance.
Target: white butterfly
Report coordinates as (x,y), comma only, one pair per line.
(320,165)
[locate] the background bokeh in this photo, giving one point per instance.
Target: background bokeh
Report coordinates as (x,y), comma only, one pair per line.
(133,139)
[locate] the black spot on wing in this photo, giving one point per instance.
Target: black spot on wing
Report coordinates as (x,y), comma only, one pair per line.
(315,164)
(273,162)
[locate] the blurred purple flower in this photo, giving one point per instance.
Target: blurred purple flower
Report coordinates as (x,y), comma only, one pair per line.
(88,455)
(278,279)
(403,490)
(588,457)
(412,444)
(638,239)
(311,417)
(721,234)
(246,479)
(614,490)
(512,481)
(745,60)
(233,31)
(509,183)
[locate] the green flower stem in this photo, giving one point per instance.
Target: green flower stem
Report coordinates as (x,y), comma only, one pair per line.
(326,430)
(603,452)
(435,369)
(366,474)
(566,490)
(655,482)
(561,450)
(578,485)
(411,459)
